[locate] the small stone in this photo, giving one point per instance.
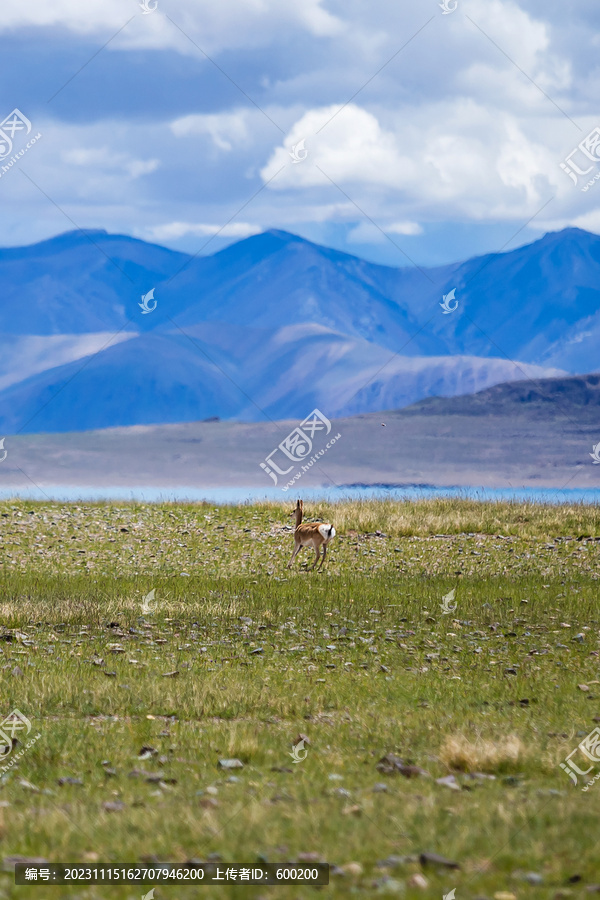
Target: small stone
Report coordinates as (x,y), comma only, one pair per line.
(353,868)
(146,752)
(532,878)
(342,792)
(579,638)
(504,895)
(310,857)
(434,859)
(230,764)
(417,880)
(16,672)
(449,781)
(380,788)
(9,862)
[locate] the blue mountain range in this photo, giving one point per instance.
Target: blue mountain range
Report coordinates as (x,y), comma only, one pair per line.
(274,326)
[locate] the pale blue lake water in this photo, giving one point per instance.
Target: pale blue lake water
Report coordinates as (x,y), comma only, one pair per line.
(235,495)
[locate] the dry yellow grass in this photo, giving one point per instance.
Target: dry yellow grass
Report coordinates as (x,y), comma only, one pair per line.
(453,515)
(464,755)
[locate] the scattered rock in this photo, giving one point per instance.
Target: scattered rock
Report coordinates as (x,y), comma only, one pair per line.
(146,752)
(392,861)
(390,764)
(449,781)
(113,806)
(352,868)
(230,764)
(9,862)
(417,880)
(434,859)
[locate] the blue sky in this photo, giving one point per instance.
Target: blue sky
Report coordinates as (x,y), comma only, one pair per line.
(420,136)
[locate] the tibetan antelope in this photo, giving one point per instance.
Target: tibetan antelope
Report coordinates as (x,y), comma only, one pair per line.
(313,534)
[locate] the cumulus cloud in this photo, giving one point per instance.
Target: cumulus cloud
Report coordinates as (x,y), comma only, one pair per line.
(443,127)
(457,159)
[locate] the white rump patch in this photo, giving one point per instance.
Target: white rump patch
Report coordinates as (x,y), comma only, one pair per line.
(327,532)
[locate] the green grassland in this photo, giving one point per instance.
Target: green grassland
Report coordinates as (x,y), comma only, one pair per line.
(239,656)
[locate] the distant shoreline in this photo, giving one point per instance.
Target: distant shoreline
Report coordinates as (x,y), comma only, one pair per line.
(240,495)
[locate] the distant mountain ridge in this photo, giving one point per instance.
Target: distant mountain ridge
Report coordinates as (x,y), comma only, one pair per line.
(565,396)
(274,325)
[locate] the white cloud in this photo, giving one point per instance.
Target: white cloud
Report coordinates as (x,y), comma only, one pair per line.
(225,129)
(171,231)
(208,24)
(453,160)
(367,233)
(104,159)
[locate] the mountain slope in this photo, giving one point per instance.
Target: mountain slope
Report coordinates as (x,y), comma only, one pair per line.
(275,325)
(251,375)
(563,396)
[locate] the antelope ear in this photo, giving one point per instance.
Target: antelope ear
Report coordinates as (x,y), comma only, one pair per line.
(301,504)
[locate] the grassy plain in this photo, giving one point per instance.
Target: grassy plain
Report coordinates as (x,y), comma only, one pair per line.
(237,657)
